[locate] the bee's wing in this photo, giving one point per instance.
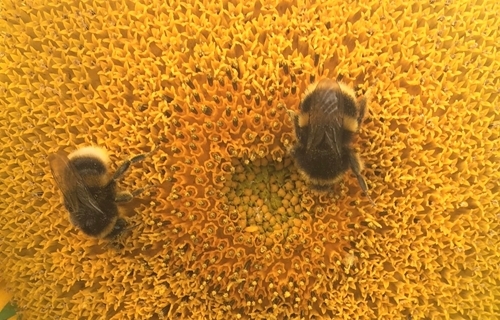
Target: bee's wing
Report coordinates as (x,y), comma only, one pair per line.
(73,188)
(326,120)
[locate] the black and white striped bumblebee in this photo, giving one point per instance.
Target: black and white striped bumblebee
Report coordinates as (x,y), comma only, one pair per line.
(90,192)
(329,117)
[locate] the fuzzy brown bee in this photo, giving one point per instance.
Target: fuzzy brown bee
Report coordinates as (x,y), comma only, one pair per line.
(89,190)
(330,115)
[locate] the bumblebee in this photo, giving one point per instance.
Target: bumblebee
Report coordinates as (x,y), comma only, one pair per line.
(330,115)
(90,192)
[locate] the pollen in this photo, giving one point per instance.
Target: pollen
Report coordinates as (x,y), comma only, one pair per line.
(228,228)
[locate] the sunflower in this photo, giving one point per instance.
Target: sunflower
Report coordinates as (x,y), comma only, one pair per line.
(231,230)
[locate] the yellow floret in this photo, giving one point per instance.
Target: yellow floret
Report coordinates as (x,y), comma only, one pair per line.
(231,230)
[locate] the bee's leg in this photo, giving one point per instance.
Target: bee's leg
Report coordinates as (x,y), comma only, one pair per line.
(355,165)
(292,115)
(362,110)
(120,226)
(294,118)
(362,102)
(126,164)
(123,197)
(299,125)
(127,196)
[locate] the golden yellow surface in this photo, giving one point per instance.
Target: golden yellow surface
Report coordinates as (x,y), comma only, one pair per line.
(231,231)
(5,296)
